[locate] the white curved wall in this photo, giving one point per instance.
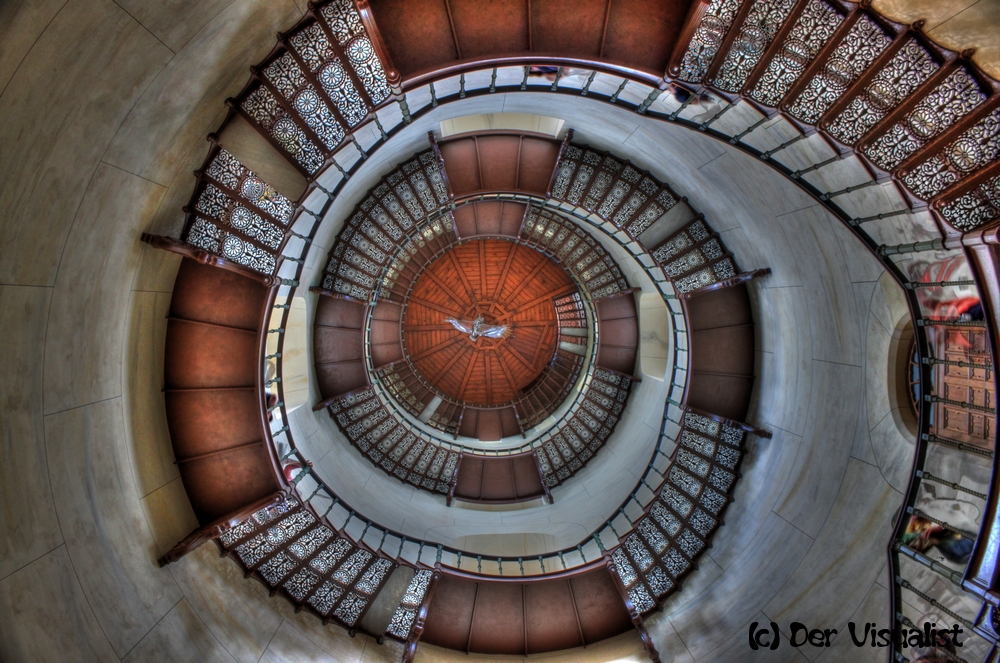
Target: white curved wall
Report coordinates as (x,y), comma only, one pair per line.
(104,120)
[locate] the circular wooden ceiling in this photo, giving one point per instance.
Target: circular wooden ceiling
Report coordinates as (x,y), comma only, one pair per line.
(509,289)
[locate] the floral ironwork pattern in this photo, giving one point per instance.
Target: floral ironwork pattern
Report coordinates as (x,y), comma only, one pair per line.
(975,208)
(976,148)
(814,27)
(666,542)
(287,78)
(707,39)
(406,612)
(285,546)
(910,67)
(946,104)
(347,28)
(756,34)
(313,47)
(858,50)
(264,109)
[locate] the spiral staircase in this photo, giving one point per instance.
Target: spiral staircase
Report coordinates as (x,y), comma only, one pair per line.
(852,93)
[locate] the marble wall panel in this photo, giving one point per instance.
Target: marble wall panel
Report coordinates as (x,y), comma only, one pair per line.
(45,616)
(83,347)
(169,514)
(179,636)
(28,524)
(237,612)
(785,366)
(76,85)
(766,467)
(142,383)
(105,528)
(21,23)
(841,566)
(180,106)
(823,455)
(875,608)
(754,577)
(826,284)
(289,645)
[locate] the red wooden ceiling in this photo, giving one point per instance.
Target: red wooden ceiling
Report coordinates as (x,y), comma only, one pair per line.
(508,284)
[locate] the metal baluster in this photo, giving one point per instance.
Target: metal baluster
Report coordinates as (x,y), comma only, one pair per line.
(579,549)
(960,446)
(520,562)
(767,155)
(368,524)
(614,97)
(965,405)
(831,194)
(358,146)
(333,503)
(279,330)
(905,584)
(524,81)
(404,108)
(384,534)
(276,355)
(884,215)
(434,99)
(275,406)
(282,306)
(378,124)
(600,545)
(586,88)
(648,101)
(541,563)
(479,563)
(799,173)
(329,194)
(399,552)
(439,551)
(926,322)
(912,285)
(500,565)
(555,83)
(931,361)
(951,484)
(562,559)
(913,247)
(343,172)
(461,86)
(687,102)
(307,240)
(272,381)
(291,259)
(738,137)
(493,81)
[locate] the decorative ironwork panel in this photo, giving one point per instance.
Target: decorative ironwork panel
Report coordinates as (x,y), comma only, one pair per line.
(313,47)
(264,109)
(975,149)
(345,23)
(949,102)
(289,80)
(227,171)
(756,34)
(859,48)
(707,39)
(976,208)
(910,67)
(814,27)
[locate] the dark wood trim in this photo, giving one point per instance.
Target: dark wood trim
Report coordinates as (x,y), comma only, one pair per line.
(381,52)
(695,14)
(217,528)
(742,277)
(205,258)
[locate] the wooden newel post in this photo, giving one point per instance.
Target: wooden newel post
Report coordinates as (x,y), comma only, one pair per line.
(217,528)
(206,258)
(731,282)
(633,614)
(420,622)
